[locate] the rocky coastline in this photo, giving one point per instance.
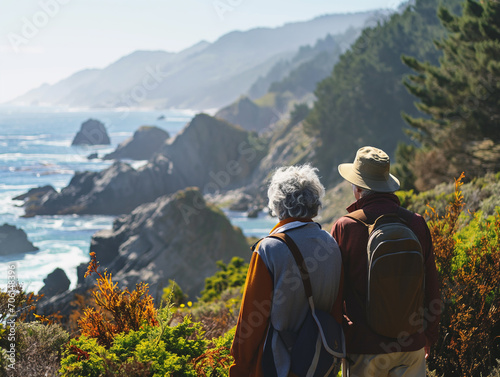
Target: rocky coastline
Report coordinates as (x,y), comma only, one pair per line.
(177,237)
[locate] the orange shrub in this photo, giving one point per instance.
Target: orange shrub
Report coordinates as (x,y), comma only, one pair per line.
(470,287)
(117,310)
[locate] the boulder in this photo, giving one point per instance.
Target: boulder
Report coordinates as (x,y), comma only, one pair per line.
(56,283)
(14,241)
(92,132)
(147,140)
(208,153)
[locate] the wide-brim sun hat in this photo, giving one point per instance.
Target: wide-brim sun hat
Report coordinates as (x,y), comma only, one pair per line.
(370,170)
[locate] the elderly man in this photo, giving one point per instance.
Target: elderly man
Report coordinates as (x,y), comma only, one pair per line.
(274,300)
(374,351)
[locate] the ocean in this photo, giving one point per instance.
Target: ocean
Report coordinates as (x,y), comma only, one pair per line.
(35,150)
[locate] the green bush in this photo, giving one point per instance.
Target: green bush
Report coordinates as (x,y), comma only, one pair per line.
(231,275)
(152,350)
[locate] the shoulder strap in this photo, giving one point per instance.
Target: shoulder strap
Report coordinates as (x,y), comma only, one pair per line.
(360,216)
(299,259)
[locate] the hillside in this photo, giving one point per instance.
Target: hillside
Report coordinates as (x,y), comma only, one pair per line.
(206,75)
(361,102)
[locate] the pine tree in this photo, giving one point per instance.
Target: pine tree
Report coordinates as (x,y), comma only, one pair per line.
(360,103)
(461,95)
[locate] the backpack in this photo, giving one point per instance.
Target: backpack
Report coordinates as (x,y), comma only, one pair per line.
(396,274)
(318,348)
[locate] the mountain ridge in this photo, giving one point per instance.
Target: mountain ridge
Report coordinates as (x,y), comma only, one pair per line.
(205,75)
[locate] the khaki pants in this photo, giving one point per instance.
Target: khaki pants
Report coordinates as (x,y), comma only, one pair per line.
(396,364)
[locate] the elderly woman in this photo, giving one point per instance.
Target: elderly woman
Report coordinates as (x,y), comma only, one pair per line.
(274,300)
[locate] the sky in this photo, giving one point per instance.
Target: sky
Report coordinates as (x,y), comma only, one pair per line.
(44,41)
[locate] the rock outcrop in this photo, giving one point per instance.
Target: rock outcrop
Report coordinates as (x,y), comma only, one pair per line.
(178,237)
(35,193)
(14,241)
(208,153)
(56,283)
(92,132)
(147,140)
(248,115)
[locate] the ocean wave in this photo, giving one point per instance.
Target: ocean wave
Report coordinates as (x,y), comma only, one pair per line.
(121,133)
(32,268)
(52,143)
(4,186)
(24,137)
(42,157)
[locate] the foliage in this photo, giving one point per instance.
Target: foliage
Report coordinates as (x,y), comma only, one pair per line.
(146,344)
(150,351)
(469,273)
(16,308)
(16,303)
(231,275)
(38,349)
(360,103)
(405,155)
(459,96)
(299,113)
(216,360)
(173,293)
(480,194)
(118,310)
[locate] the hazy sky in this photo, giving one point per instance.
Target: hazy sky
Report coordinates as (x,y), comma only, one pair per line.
(47,40)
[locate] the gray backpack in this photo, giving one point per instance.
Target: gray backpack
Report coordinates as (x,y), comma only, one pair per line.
(396,275)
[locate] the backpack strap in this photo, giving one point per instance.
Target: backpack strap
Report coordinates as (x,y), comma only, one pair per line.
(361,217)
(299,260)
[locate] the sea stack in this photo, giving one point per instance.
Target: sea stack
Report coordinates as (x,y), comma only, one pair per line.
(92,132)
(14,241)
(55,283)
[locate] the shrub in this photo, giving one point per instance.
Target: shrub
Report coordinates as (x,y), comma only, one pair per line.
(216,360)
(149,351)
(124,335)
(231,275)
(468,262)
(117,310)
(38,349)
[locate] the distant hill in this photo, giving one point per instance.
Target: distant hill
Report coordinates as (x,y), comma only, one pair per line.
(206,75)
(310,64)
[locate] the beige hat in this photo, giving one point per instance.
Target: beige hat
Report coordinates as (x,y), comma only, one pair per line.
(370,170)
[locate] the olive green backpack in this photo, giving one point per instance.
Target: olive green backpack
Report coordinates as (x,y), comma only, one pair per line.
(396,274)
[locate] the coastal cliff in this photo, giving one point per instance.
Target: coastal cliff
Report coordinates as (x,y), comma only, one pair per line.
(208,153)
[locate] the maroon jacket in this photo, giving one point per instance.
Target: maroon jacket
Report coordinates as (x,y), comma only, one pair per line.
(352,238)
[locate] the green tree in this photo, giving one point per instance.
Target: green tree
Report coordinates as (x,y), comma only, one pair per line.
(360,103)
(460,96)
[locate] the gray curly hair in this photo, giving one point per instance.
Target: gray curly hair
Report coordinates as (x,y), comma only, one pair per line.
(295,191)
